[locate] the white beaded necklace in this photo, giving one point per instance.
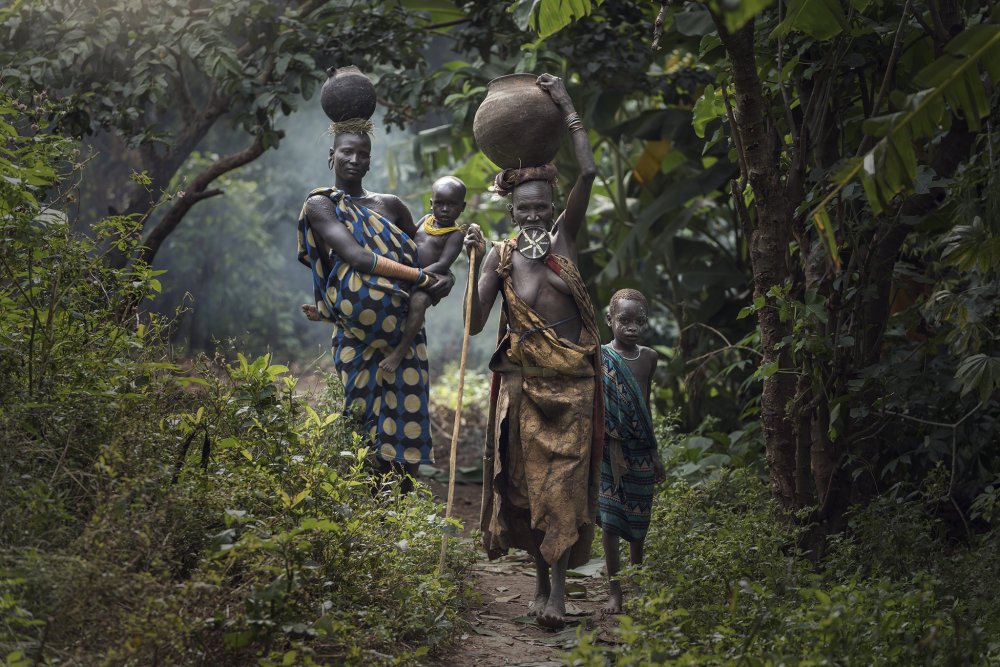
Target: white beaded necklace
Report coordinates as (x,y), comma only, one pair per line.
(638,351)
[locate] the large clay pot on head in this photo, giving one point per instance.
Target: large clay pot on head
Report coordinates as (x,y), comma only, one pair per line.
(347,94)
(518,124)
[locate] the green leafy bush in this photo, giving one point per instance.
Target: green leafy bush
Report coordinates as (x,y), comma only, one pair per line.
(706,452)
(723,584)
(154,514)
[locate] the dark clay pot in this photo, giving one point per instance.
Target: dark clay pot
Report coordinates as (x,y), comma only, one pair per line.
(518,124)
(347,94)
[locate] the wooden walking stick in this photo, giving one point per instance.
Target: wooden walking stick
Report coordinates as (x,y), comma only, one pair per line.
(458,408)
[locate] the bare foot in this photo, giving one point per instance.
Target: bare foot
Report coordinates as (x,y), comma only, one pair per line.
(391,363)
(310,311)
(552,615)
(536,607)
(614,605)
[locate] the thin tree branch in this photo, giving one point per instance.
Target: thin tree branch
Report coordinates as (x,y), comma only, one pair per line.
(918,17)
(720,335)
(446,24)
(724,349)
(797,172)
(897,47)
(781,84)
(658,24)
(930,422)
(737,139)
(940,32)
(742,214)
(196,129)
(739,187)
(197,192)
(184,92)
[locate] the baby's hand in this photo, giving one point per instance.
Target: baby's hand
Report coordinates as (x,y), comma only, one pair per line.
(311,312)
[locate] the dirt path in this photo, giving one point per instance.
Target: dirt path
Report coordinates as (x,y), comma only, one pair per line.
(500,631)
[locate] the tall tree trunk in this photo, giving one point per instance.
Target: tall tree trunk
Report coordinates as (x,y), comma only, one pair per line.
(769,257)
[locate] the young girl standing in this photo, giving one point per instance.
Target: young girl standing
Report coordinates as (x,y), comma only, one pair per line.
(631,463)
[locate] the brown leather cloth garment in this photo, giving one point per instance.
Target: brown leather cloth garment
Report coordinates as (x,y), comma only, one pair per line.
(545,431)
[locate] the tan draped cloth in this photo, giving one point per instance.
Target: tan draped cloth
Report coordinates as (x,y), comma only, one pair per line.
(545,430)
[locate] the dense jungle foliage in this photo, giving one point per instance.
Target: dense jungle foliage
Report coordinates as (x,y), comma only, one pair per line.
(159,514)
(806,191)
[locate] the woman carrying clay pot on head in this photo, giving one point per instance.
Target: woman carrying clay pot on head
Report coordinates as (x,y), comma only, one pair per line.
(542,462)
(360,247)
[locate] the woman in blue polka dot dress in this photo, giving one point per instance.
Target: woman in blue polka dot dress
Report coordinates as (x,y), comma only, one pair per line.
(360,248)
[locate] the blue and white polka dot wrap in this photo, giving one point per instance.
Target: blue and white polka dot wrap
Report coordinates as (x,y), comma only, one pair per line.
(368,312)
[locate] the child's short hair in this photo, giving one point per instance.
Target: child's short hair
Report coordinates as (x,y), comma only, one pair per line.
(449,180)
(629,294)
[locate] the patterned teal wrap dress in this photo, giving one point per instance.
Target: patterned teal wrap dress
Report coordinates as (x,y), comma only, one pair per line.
(625,499)
(368,312)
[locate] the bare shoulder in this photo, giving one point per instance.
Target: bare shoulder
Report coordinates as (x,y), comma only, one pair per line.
(393,208)
(388,198)
(392,203)
(492,259)
(561,243)
(319,204)
(649,357)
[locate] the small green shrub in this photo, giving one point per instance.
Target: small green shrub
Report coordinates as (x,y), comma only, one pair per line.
(706,452)
(722,584)
(281,540)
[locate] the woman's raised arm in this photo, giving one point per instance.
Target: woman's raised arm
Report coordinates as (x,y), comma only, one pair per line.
(575,214)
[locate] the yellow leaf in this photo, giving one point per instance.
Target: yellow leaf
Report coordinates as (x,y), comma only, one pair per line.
(648,164)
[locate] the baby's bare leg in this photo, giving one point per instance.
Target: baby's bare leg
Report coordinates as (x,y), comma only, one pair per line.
(420,301)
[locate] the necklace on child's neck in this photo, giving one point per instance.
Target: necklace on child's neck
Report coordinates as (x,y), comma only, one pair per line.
(622,354)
